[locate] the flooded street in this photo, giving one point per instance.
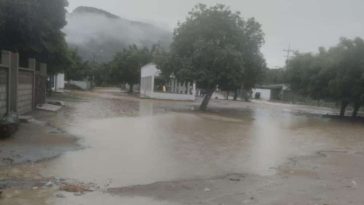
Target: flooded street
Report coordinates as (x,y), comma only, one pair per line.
(151,152)
(150,147)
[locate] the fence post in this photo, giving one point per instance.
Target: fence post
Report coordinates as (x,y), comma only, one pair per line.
(32,66)
(13,79)
(43,74)
(43,69)
(5,61)
(5,58)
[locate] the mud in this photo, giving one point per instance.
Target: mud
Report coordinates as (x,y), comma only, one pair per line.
(35,141)
(163,152)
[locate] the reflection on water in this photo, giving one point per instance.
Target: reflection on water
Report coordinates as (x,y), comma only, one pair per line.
(153,146)
(105,199)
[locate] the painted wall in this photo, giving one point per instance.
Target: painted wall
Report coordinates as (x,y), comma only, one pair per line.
(172,96)
(146,86)
(179,91)
(59,81)
(149,70)
(265,94)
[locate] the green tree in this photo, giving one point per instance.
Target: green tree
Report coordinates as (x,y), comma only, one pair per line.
(126,65)
(77,69)
(216,47)
(273,76)
(336,74)
(33,28)
(347,85)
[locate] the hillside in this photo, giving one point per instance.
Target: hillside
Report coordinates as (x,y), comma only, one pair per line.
(98,34)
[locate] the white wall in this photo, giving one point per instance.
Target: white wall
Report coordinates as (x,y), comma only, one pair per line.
(84,85)
(148,74)
(172,96)
(59,81)
(147,86)
(149,70)
(265,94)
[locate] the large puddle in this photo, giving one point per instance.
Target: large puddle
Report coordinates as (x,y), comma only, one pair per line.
(146,146)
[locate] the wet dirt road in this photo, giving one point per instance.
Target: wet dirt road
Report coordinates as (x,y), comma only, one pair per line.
(151,152)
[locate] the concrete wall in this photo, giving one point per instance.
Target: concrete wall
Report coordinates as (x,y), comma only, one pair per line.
(172,96)
(25,92)
(20,91)
(265,94)
(149,70)
(174,90)
(147,86)
(3,90)
(59,82)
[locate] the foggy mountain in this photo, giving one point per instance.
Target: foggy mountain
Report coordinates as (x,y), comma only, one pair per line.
(98,35)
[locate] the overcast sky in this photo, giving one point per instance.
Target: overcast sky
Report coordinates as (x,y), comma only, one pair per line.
(305,24)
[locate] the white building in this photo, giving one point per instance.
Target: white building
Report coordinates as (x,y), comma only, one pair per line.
(262,94)
(83,85)
(151,86)
(58,82)
(269,92)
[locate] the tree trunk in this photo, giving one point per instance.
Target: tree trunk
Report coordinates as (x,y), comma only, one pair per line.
(356,109)
(206,99)
(344,105)
(245,95)
(131,88)
(236,93)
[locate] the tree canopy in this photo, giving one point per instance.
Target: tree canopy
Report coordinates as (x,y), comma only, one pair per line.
(33,28)
(334,74)
(126,65)
(216,47)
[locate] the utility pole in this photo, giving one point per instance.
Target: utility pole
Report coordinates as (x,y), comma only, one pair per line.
(288,51)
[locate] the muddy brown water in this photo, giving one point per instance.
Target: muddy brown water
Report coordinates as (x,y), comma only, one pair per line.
(131,142)
(156,146)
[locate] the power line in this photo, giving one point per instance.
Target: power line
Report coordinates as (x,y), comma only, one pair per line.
(288,51)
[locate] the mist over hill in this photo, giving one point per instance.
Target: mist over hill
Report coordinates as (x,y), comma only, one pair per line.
(98,34)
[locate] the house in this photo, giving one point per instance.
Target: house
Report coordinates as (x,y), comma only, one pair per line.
(269,92)
(153,86)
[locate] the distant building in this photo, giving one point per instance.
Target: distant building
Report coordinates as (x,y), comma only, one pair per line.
(152,86)
(57,82)
(269,92)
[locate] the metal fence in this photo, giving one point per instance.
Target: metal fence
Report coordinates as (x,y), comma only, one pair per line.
(21,88)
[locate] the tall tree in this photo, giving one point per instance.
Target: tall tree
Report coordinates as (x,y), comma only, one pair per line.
(347,85)
(33,28)
(78,69)
(335,74)
(216,47)
(126,65)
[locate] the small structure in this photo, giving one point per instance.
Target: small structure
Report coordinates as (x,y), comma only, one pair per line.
(82,85)
(152,86)
(269,92)
(57,82)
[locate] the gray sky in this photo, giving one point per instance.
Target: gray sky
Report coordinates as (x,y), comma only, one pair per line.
(305,24)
